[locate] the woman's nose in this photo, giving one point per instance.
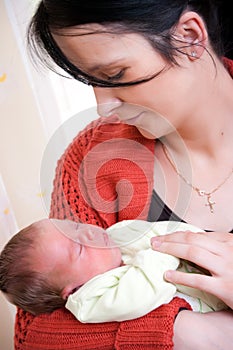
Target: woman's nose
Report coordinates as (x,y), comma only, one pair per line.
(107,103)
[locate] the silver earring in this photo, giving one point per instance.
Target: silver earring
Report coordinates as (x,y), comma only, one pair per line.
(193,54)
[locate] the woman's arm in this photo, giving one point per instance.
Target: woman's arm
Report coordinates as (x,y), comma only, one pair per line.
(209,331)
(211,250)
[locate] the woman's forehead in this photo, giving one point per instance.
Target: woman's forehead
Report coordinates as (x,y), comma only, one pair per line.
(94,49)
(83,29)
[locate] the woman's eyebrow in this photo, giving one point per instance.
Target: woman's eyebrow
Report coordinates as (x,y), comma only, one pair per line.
(100,66)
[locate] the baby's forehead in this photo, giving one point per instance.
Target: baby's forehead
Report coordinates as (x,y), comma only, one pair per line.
(57,232)
(55,225)
(45,234)
(51,247)
(42,226)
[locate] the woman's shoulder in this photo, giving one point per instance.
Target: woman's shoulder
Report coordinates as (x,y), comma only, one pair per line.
(103,129)
(110,134)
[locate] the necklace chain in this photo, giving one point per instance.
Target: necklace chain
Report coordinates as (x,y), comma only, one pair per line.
(200,192)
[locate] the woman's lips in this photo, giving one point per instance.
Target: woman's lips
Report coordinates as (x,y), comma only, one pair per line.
(133,120)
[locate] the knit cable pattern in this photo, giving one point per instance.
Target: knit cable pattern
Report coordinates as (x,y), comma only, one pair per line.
(120,186)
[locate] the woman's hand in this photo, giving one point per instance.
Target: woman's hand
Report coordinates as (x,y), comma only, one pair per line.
(211,250)
(208,331)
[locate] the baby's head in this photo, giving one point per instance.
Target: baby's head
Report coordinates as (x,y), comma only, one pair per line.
(47,261)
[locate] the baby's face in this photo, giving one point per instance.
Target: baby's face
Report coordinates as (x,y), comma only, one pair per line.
(73,253)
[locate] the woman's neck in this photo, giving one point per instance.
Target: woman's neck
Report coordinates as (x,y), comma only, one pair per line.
(209,129)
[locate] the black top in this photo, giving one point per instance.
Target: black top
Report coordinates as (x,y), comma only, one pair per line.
(159,211)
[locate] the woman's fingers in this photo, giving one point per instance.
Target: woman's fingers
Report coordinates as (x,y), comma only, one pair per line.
(209,241)
(200,256)
(202,282)
(220,236)
(212,251)
(220,286)
(177,235)
(196,247)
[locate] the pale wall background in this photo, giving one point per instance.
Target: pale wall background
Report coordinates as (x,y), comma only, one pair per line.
(33,104)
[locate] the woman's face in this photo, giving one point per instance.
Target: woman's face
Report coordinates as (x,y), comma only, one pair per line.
(156,106)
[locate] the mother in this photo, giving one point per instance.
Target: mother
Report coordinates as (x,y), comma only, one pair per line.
(157,73)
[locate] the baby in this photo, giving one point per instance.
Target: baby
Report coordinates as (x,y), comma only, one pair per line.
(99,275)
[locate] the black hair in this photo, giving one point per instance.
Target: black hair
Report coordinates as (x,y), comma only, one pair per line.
(226,20)
(154,19)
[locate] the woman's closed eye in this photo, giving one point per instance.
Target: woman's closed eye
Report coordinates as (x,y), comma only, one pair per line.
(117,76)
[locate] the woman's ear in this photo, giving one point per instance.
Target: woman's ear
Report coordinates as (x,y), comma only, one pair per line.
(191,35)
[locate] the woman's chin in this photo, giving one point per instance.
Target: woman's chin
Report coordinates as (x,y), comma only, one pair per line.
(146,134)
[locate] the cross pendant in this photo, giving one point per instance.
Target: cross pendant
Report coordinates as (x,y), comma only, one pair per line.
(210,204)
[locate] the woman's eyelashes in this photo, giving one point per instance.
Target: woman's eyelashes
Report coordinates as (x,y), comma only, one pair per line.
(117,76)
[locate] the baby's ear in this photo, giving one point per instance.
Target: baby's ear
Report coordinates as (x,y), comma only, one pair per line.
(66,291)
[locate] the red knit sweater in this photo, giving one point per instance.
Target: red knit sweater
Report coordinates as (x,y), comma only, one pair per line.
(93,173)
(105,176)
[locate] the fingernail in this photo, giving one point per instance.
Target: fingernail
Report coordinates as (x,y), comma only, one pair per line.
(156,243)
(167,275)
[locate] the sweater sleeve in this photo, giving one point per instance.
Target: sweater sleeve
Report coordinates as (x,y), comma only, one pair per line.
(69,198)
(60,330)
(153,331)
(104,176)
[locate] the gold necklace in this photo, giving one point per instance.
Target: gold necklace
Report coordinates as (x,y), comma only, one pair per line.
(200,192)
